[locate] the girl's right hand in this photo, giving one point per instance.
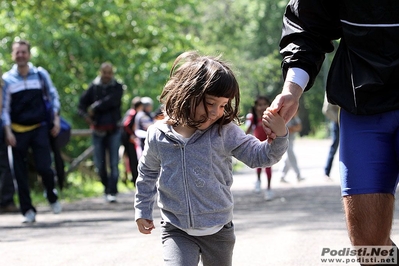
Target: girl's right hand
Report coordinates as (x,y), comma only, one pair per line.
(275,123)
(145,226)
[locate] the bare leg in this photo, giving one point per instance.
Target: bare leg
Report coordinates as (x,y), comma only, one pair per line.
(369,218)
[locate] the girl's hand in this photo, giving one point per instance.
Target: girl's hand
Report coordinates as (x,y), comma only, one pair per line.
(275,123)
(285,104)
(145,226)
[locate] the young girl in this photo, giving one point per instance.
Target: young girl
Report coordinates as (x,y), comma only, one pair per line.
(187,160)
(255,127)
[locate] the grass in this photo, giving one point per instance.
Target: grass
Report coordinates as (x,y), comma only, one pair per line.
(77,188)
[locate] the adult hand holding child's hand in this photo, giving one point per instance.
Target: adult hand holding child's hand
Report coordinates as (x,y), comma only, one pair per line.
(285,105)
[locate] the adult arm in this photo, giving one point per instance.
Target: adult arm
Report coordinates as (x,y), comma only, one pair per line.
(55,102)
(85,101)
(309,26)
(5,115)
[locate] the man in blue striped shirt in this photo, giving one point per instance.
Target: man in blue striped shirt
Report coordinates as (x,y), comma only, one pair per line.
(24,119)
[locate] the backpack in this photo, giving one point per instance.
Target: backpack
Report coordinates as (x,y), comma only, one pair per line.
(65,132)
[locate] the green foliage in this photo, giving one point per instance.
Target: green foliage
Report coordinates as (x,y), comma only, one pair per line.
(247,33)
(141,39)
(78,188)
(72,38)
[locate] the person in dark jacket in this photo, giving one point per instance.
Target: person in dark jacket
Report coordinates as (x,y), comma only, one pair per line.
(363,81)
(100,105)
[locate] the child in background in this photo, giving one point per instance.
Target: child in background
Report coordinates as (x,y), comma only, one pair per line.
(255,127)
(187,160)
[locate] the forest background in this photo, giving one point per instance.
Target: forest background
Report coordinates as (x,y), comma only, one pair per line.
(71,38)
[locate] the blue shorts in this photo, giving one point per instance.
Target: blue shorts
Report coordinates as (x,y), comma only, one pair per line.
(369,153)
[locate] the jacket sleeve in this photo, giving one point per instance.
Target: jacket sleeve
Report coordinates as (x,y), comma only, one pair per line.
(149,169)
(5,112)
(309,26)
(250,150)
(53,93)
(85,101)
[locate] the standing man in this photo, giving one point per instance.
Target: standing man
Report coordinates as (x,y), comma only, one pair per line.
(100,105)
(24,118)
(363,81)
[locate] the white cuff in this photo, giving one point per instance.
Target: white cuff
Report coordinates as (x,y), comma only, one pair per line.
(298,76)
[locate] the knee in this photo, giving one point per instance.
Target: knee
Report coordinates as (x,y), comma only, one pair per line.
(369,218)
(368,233)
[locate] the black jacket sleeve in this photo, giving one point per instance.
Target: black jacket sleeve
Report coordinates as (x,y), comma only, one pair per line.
(309,26)
(85,100)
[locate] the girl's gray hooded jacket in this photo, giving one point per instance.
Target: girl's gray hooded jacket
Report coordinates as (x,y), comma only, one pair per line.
(193,179)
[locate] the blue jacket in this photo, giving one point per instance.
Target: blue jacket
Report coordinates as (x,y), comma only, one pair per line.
(23,97)
(193,179)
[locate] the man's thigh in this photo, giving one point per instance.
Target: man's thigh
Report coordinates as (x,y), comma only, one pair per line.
(369,148)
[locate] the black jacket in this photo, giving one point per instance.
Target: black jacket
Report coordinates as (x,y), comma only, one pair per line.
(105,100)
(364,75)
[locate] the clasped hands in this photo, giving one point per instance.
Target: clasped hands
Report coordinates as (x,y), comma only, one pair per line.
(284,107)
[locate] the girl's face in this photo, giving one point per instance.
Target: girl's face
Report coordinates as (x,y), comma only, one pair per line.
(215,106)
(261,106)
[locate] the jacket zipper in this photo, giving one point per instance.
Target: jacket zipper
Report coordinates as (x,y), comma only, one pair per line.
(185,181)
